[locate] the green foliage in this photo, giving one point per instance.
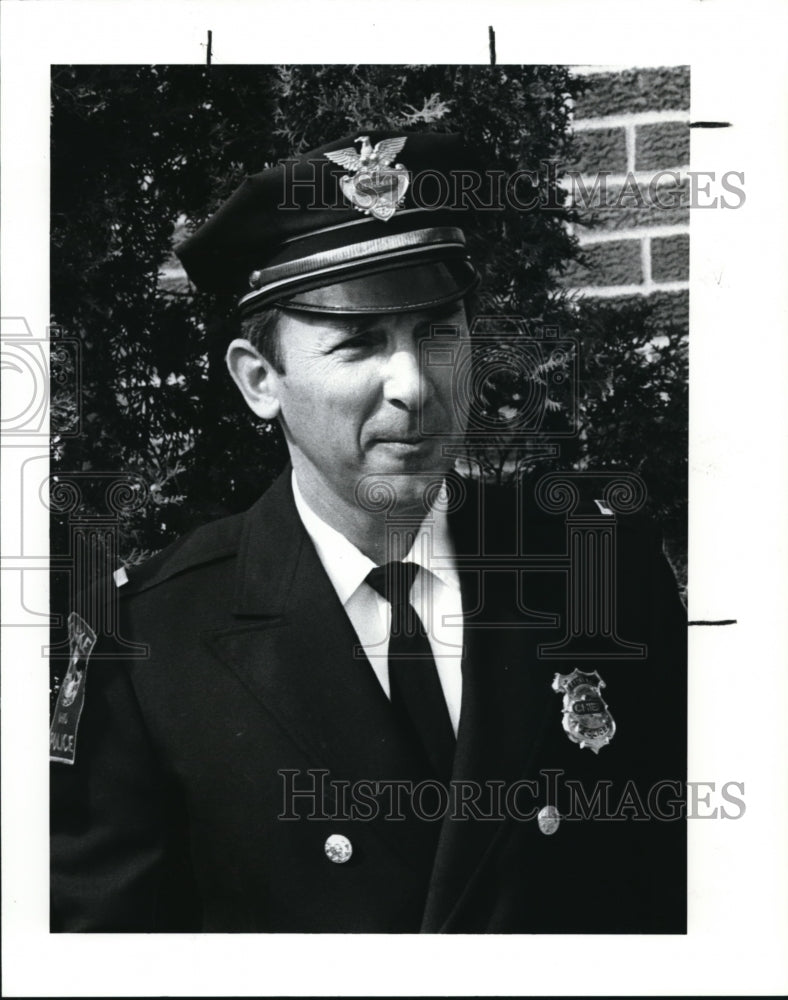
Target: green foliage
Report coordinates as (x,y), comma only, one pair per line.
(139,150)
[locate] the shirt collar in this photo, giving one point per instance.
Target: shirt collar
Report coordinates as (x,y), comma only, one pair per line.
(347,567)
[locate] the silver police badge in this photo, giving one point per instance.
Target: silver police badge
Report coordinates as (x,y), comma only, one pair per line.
(374,184)
(585,714)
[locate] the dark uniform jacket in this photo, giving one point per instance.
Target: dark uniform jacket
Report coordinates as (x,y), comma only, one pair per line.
(171,816)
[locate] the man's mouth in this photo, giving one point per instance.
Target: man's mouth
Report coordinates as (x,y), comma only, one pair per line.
(403,442)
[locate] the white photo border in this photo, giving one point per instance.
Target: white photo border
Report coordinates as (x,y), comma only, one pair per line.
(738,872)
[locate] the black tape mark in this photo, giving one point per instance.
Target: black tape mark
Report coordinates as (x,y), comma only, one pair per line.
(722,621)
(491,32)
(209,48)
(709,124)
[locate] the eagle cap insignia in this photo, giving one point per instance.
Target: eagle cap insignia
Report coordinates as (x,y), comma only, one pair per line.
(586,717)
(374,184)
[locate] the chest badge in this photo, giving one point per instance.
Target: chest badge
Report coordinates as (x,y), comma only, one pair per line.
(374,184)
(586,718)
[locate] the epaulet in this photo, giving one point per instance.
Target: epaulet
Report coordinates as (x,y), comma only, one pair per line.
(207,544)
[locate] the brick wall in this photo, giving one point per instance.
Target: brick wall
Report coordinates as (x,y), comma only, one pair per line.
(630,126)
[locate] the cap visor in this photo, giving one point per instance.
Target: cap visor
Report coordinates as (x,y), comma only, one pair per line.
(404,289)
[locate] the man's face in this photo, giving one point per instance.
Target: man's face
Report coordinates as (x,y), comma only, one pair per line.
(356,400)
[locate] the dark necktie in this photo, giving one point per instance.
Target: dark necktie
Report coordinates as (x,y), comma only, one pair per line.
(416,692)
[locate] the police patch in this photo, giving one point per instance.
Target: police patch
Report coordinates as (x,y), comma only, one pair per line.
(71,699)
(586,718)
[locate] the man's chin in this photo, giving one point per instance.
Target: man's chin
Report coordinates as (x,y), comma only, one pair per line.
(402,487)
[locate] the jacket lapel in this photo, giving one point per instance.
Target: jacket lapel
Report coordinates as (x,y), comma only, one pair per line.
(507,702)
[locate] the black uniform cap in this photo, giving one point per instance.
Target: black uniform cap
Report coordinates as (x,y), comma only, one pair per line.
(367,223)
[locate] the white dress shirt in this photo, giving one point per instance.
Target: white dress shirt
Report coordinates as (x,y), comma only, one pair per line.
(435,596)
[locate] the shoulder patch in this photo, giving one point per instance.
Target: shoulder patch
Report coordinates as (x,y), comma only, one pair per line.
(71,698)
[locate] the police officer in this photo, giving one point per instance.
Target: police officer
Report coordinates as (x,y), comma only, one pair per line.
(345,718)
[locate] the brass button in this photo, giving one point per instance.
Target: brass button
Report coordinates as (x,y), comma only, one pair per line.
(338,849)
(548,819)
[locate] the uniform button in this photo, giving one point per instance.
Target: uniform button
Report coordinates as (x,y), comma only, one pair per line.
(338,849)
(548,819)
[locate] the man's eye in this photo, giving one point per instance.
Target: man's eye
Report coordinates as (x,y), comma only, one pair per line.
(359,342)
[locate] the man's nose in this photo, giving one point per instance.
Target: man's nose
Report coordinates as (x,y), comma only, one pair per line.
(403,384)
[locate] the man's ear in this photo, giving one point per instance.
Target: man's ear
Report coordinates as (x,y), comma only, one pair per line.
(255,376)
